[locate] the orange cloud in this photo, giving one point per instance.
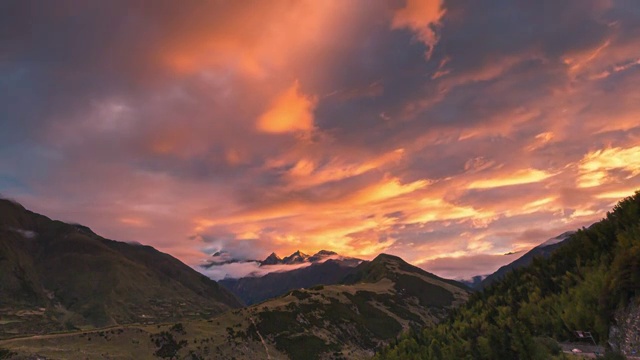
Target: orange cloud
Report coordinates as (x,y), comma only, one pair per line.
(525,176)
(577,61)
(420,16)
(595,166)
(540,140)
(255,40)
(133,221)
(616,194)
(305,173)
(428,209)
(384,190)
(291,111)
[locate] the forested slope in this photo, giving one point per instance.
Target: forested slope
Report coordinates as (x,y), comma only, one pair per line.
(595,273)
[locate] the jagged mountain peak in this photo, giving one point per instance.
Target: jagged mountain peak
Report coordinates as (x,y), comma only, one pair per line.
(272,259)
(295,258)
(326,253)
(322,254)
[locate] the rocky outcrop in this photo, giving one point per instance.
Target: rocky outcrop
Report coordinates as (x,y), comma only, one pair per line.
(624,336)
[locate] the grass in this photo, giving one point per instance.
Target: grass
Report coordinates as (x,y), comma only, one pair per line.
(303,347)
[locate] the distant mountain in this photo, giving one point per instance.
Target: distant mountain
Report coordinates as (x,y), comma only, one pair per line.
(322,254)
(377,302)
(272,259)
(253,289)
(543,250)
(223,258)
(55,275)
(474,282)
(297,257)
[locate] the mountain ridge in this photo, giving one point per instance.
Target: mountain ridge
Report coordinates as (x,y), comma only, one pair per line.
(65,276)
(544,249)
(255,289)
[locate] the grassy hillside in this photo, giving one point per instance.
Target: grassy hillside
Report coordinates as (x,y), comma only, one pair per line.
(347,321)
(595,273)
(56,276)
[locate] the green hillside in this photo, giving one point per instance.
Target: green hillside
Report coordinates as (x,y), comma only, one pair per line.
(580,287)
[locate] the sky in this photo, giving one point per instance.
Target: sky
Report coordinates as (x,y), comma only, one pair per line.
(447,132)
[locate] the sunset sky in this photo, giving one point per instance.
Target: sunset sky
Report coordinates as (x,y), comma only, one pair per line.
(446,132)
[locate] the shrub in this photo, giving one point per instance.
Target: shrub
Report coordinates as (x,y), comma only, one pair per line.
(6,353)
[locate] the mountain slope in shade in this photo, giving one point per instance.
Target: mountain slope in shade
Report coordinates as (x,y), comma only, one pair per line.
(474,282)
(383,298)
(543,250)
(253,290)
(55,275)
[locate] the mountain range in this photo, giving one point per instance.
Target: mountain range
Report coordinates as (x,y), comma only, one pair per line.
(56,277)
(323,268)
(220,258)
(254,289)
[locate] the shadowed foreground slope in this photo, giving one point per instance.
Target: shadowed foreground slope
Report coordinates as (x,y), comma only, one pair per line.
(56,276)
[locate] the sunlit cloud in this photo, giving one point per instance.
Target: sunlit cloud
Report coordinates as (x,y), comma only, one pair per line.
(421,16)
(433,209)
(616,195)
(291,111)
(306,173)
(384,190)
(133,221)
(596,166)
(525,176)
